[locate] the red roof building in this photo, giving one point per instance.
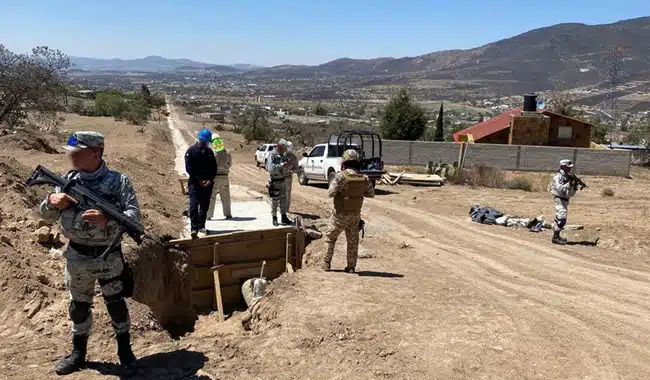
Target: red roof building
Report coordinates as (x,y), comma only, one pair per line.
(490,131)
(512,127)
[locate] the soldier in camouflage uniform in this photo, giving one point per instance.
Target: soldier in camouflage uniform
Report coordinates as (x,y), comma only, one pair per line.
(348,188)
(293,169)
(278,166)
(563,188)
(90,234)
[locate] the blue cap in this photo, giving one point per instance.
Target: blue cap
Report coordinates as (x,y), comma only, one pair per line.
(205,135)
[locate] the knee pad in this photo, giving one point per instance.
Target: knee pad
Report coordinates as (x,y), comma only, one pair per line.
(118,311)
(560,222)
(79,311)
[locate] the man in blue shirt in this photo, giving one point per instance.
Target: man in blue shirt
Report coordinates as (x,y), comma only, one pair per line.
(201,166)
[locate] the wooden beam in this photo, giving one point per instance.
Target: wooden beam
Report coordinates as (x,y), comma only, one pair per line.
(230,237)
(289,249)
(300,242)
(217,283)
(241,252)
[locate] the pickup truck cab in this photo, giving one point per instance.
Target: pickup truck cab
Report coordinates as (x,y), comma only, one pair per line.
(324,160)
(262,154)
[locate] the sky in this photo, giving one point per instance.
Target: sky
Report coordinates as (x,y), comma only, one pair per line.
(274,32)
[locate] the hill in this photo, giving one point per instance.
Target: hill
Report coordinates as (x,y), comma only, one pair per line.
(150,63)
(563,55)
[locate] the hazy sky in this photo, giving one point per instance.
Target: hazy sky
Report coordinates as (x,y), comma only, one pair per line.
(273,32)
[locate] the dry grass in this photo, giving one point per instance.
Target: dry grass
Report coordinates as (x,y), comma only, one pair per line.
(520,183)
(607,192)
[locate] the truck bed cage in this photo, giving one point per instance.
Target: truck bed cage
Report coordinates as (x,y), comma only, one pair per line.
(344,140)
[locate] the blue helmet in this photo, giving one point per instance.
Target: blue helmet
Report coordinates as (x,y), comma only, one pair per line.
(205,135)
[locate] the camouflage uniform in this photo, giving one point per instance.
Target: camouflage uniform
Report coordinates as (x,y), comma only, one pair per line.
(348,188)
(277,182)
(562,189)
(87,242)
(293,168)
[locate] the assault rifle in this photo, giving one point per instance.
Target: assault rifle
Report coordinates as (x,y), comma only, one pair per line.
(89,200)
(578,182)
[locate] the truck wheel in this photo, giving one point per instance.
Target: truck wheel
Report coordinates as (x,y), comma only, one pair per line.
(302,178)
(330,176)
(257,164)
(373,182)
(266,161)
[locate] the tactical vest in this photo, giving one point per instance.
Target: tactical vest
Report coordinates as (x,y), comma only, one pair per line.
(351,200)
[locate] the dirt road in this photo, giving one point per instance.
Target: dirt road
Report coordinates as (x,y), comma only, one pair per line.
(444,298)
(437,297)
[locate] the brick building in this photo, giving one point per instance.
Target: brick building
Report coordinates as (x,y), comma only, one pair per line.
(530,128)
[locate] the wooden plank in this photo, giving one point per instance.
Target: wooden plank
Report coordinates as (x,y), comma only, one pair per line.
(300,243)
(241,251)
(203,300)
(289,249)
(396,180)
(236,274)
(183,181)
(217,284)
(230,237)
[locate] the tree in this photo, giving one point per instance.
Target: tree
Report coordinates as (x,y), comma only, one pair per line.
(31,82)
(403,119)
(439,136)
(640,134)
(110,104)
(256,127)
(562,104)
(320,110)
(144,90)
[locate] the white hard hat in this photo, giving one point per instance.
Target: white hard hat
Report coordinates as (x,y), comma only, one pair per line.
(289,146)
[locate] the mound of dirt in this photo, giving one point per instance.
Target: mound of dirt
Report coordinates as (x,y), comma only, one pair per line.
(31,138)
(32,289)
(162,282)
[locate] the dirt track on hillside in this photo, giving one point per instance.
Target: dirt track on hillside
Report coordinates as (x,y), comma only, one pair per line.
(439,298)
(461,301)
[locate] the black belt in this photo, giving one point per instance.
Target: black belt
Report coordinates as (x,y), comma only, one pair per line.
(92,250)
(564,199)
(277,179)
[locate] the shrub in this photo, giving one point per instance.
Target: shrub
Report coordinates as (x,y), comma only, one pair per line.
(403,119)
(76,107)
(520,183)
(608,192)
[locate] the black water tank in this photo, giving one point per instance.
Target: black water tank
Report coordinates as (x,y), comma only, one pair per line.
(530,102)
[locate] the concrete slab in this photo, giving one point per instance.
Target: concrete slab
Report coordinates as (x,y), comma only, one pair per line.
(250,209)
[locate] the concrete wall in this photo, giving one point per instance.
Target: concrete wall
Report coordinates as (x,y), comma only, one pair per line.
(509,157)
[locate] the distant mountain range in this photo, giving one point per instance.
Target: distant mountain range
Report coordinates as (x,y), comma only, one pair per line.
(559,56)
(153,63)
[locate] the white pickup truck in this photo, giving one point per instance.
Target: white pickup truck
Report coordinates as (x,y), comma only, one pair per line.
(324,160)
(262,154)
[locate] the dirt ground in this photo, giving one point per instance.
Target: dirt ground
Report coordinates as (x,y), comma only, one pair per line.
(436,296)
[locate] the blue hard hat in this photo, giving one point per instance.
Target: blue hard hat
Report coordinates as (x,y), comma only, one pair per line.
(205,135)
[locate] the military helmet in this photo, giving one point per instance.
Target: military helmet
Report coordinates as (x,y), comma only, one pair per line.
(350,155)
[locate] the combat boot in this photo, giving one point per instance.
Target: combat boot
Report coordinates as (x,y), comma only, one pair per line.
(76,361)
(286,221)
(325,266)
(349,270)
(275,220)
(124,352)
(557,239)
